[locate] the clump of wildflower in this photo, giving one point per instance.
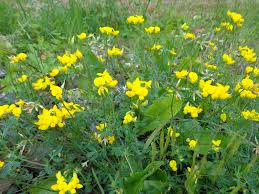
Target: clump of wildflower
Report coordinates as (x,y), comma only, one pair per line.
(185,26)
(217,91)
(111,139)
(172,52)
(216,145)
(256,71)
(192,143)
(189,36)
(246,88)
(236,17)
(14,109)
(138,88)
(22,79)
(103,81)
(248,54)
(181,74)
(173,165)
(249,69)
(101,126)
(192,110)
(82,36)
(115,52)
(50,118)
(42,83)
(193,77)
(156,47)
(54,72)
(129,117)
(211,66)
(228,26)
(135,19)
(109,31)
(18,58)
(228,59)
(217,29)
(69,59)
(1,163)
(152,29)
(172,132)
(250,115)
(56,91)
(223,117)
(63,186)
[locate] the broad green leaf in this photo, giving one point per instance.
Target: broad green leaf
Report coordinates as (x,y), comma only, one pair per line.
(160,112)
(44,187)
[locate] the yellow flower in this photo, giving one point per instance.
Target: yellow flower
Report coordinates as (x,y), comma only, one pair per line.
(103,81)
(216,145)
(56,91)
(1,164)
(172,52)
(78,54)
(248,54)
(192,143)
(189,169)
(185,27)
(236,17)
(228,59)
(249,69)
(173,165)
(129,117)
(171,132)
(138,88)
(115,52)
(68,59)
(247,83)
(100,59)
(82,36)
(54,72)
(17,111)
(62,186)
(194,111)
(217,91)
(22,79)
(211,66)
(110,139)
(152,29)
(156,47)
(136,19)
(193,77)
(217,29)
(223,117)
(18,58)
(101,126)
(256,71)
(227,26)
(109,31)
(250,115)
(181,74)
(189,36)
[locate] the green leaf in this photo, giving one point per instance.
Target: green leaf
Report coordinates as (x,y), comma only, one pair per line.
(44,187)
(160,112)
(135,183)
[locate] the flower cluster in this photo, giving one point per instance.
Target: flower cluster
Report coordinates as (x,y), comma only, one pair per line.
(22,79)
(109,31)
(152,29)
(246,88)
(236,18)
(172,133)
(135,19)
(129,117)
(103,81)
(173,165)
(192,110)
(248,54)
(189,36)
(217,91)
(82,36)
(228,26)
(251,115)
(56,116)
(115,52)
(156,47)
(63,186)
(192,143)
(193,77)
(18,58)
(228,59)
(110,138)
(216,145)
(1,163)
(15,109)
(138,88)
(211,66)
(68,59)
